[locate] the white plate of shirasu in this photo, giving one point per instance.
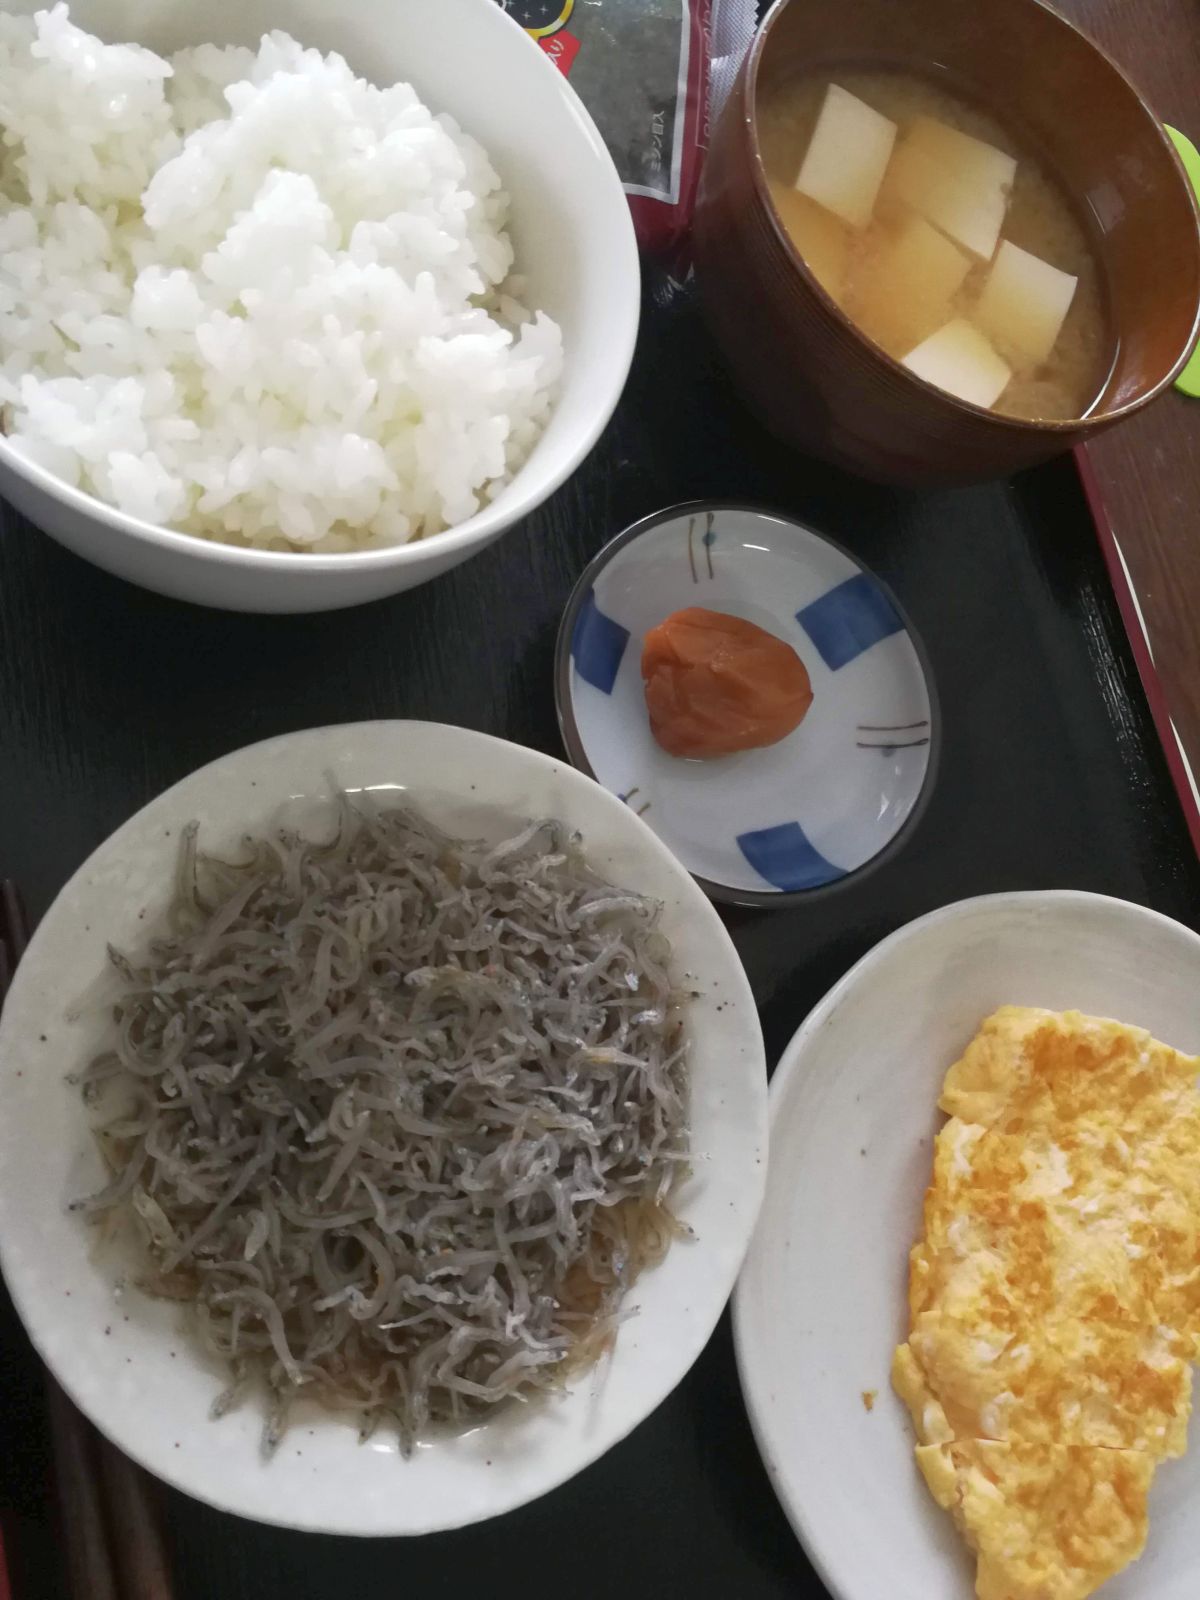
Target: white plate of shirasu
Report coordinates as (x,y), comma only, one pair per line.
(362,1218)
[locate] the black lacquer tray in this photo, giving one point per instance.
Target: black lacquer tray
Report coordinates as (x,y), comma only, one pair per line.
(1051,775)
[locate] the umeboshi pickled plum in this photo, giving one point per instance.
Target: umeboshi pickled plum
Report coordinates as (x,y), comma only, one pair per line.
(716,684)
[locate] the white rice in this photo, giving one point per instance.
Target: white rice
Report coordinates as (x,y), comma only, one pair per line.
(254,297)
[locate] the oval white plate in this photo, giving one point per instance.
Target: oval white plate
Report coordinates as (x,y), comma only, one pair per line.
(822,1299)
(129,1363)
(763,826)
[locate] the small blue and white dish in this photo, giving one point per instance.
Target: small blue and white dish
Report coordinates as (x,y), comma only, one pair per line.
(770,826)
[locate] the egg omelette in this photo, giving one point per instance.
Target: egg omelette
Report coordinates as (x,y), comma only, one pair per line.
(1054,1299)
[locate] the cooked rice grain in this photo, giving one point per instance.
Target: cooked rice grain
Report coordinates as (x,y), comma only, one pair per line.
(249,295)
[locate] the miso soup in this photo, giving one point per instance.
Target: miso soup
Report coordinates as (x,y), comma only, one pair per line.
(947,242)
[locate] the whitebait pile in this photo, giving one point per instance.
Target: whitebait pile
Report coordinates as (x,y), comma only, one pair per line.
(400,1114)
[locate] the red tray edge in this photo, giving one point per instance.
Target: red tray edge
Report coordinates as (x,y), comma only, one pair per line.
(1139,643)
(5,1589)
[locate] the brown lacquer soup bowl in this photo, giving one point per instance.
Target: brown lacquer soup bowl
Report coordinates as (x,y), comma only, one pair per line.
(823,385)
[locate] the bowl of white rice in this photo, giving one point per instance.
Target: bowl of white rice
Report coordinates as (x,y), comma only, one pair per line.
(292,320)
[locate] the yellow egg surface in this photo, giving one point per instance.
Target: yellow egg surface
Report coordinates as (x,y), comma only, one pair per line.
(1054,1299)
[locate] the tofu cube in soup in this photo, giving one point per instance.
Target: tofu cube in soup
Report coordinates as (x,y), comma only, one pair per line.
(906,285)
(958,183)
(922,263)
(960,360)
(1023,304)
(847,157)
(821,238)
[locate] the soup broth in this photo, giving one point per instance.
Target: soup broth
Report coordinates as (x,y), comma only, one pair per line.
(901,279)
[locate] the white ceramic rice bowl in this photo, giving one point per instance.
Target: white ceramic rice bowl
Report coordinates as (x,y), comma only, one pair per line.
(574,245)
(129,1362)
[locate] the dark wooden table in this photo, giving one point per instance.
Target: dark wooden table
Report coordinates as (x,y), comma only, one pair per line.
(1051,775)
(1149,470)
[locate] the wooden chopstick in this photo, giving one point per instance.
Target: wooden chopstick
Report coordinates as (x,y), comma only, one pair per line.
(14,933)
(109,1508)
(134,1507)
(90,1568)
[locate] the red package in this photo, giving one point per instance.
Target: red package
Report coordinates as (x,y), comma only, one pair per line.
(646,70)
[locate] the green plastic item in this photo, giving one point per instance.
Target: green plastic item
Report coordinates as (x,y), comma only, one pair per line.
(1189,379)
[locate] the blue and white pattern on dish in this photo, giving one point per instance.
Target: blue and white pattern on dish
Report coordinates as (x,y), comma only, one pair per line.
(786,857)
(824,801)
(597,645)
(849,619)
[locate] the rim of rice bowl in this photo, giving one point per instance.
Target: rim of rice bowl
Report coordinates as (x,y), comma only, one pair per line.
(316,560)
(526,489)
